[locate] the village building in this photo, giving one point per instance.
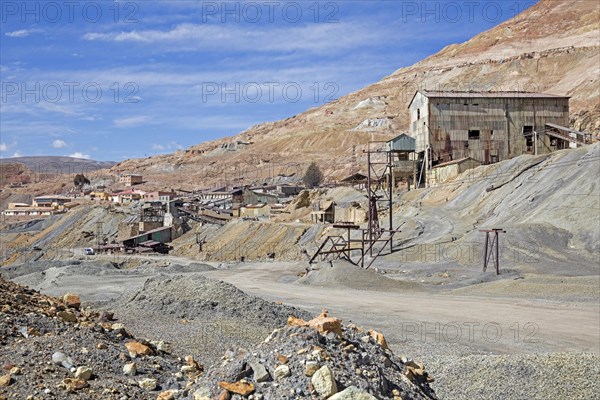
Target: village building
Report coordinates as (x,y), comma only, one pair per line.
(350,213)
(485,126)
(24,209)
(100,196)
(40,206)
(130,179)
(323,211)
(153,240)
(357,180)
(50,201)
(127,196)
(254,211)
(258,195)
(328,211)
(161,196)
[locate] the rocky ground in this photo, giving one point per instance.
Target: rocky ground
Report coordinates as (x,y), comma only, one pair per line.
(518,376)
(54,348)
(320,359)
(200,316)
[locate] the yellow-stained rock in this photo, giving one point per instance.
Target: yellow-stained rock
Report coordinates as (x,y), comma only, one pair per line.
(138,349)
(72,300)
(379,338)
(168,395)
(73,384)
(5,380)
(242,387)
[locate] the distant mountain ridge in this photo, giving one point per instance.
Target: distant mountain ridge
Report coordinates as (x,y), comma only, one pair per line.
(61,164)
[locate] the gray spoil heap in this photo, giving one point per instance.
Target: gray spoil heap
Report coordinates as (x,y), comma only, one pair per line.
(318,359)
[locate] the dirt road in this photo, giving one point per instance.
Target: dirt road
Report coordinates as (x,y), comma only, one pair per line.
(488,324)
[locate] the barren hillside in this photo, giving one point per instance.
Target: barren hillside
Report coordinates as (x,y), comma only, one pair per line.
(552,47)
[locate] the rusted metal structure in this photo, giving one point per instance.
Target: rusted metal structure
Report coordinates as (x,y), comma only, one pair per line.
(492,248)
(374,239)
(562,137)
(486,126)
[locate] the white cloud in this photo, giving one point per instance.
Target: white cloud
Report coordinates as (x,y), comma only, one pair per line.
(3,147)
(131,121)
(315,37)
(17,154)
(20,33)
(78,154)
(158,147)
(59,144)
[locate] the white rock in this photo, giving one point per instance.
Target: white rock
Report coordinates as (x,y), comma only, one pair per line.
(84,373)
(202,394)
(352,393)
(282,371)
(260,372)
(324,382)
(148,384)
(130,369)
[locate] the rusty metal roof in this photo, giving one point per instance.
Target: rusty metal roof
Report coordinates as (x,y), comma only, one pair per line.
(489,94)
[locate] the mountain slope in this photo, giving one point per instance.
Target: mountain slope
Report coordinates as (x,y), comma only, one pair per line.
(552,47)
(55,164)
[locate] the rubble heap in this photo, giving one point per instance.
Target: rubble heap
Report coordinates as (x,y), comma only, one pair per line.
(53,348)
(316,359)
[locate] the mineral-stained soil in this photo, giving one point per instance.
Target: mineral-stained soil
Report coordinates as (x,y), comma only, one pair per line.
(54,348)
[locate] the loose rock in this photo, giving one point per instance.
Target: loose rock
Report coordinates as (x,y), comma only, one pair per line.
(324,382)
(84,373)
(148,384)
(283,371)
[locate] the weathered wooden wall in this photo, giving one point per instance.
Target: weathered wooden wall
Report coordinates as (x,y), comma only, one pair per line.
(499,120)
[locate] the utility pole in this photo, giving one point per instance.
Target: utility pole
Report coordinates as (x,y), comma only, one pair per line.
(492,248)
(99,232)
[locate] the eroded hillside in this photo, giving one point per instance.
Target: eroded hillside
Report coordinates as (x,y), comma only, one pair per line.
(552,47)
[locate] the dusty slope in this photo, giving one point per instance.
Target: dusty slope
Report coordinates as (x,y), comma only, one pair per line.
(552,47)
(547,204)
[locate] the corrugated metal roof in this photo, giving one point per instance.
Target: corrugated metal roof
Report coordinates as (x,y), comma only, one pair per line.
(490,94)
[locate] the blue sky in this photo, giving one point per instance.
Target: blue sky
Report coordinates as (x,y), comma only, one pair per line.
(116,80)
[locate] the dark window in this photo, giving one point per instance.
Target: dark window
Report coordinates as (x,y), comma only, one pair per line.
(418,113)
(528,133)
(474,134)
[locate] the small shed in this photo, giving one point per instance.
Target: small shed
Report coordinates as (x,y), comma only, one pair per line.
(161,235)
(402,143)
(323,212)
(255,211)
(357,179)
